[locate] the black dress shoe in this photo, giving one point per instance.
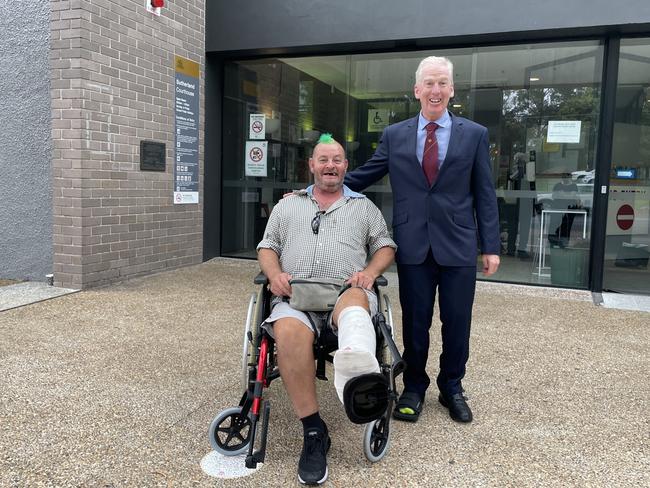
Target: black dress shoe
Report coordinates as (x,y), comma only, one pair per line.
(458,408)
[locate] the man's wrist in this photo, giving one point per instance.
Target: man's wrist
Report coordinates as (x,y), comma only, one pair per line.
(274,275)
(371,273)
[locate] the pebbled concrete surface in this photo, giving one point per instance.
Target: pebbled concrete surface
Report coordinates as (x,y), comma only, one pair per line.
(117,386)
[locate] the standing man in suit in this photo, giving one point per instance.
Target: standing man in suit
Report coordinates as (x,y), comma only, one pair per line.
(444,207)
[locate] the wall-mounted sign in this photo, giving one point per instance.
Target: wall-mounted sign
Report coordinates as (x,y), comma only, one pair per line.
(255,158)
(186,114)
(626,173)
(378,120)
(256,126)
(152,156)
(563,131)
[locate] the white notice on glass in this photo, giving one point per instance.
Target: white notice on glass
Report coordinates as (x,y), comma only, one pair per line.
(255,158)
(563,131)
(256,126)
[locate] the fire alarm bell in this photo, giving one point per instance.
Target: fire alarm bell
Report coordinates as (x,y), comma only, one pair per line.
(154,6)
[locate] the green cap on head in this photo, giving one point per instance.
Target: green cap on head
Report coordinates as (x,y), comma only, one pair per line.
(326,138)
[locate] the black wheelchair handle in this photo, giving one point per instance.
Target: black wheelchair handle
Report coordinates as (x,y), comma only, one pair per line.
(261,279)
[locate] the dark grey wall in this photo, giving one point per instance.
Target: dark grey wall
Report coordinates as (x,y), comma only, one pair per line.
(271,24)
(25,176)
(212,164)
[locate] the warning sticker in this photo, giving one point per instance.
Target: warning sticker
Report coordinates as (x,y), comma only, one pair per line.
(256,126)
(628,210)
(255,158)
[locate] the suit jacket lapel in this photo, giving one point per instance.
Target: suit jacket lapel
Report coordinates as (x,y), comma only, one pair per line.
(411,144)
(411,138)
(455,142)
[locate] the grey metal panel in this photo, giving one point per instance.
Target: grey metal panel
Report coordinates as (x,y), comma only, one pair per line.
(293,23)
(25,144)
(212,166)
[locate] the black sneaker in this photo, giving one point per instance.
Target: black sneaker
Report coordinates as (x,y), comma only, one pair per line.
(312,467)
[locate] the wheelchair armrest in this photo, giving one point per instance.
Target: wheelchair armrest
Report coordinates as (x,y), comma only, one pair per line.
(261,279)
(381,281)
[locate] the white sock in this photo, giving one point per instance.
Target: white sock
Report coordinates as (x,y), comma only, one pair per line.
(356,353)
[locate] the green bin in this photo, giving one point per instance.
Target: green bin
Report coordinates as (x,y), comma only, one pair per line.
(569,266)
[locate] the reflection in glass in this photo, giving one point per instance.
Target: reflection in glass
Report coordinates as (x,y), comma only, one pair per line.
(627,243)
(544,185)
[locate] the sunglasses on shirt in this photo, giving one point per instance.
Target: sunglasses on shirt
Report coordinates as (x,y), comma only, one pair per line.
(315,222)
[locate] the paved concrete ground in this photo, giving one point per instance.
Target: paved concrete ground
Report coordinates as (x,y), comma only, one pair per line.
(117,387)
(28,292)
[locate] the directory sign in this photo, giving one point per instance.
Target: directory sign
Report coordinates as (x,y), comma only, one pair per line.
(186,131)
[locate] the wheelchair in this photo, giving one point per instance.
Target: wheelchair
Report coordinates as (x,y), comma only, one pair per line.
(244,428)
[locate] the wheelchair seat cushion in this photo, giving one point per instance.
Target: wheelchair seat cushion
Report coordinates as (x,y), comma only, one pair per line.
(365,397)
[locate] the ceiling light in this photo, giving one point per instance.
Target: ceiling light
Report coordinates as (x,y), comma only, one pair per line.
(533,78)
(456,105)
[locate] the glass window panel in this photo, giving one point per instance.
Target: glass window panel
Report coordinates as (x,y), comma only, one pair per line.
(544,178)
(627,237)
(515,91)
(300,99)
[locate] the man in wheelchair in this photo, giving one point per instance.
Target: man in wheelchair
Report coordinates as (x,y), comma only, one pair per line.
(326,231)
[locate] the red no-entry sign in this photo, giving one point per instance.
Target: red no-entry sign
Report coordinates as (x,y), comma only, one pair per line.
(625,217)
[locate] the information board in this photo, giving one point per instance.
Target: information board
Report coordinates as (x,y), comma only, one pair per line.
(186,116)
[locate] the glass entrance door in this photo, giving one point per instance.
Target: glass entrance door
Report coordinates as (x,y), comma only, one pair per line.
(627,245)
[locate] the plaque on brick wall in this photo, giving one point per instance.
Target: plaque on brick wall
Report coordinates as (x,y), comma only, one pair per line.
(152,156)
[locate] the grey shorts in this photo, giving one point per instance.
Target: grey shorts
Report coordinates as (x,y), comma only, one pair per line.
(282,309)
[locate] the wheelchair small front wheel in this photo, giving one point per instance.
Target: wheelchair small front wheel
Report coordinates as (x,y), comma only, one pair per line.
(230,432)
(376,439)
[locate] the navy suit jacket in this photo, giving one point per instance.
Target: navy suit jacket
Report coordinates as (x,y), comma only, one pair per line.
(453,217)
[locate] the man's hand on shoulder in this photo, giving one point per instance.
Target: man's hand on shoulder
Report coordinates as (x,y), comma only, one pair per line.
(279,284)
(291,193)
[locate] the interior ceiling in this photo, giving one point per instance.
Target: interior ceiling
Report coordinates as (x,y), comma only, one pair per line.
(389,76)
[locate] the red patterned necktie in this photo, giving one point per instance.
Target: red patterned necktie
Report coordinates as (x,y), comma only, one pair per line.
(430,155)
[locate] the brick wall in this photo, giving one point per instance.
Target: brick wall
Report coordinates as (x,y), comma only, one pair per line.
(112,85)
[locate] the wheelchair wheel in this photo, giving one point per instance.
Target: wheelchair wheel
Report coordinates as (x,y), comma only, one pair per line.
(230,432)
(376,439)
(253,319)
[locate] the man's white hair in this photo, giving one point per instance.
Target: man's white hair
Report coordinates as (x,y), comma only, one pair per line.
(434,61)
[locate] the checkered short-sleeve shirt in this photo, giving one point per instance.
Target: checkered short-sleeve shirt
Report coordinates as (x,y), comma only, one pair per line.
(350,232)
